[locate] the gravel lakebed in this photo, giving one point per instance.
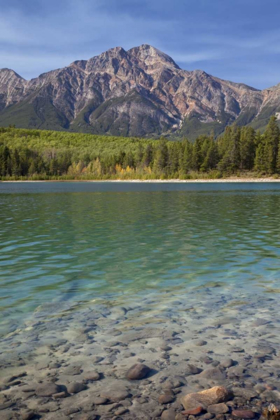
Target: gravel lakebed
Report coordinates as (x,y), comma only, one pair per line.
(206,352)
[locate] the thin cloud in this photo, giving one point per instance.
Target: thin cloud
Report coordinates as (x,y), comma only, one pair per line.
(37,36)
(197,56)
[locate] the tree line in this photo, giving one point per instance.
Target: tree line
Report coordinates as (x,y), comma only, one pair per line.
(35,154)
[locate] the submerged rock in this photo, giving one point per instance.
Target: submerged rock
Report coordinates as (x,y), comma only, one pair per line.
(46,389)
(138,371)
(72,370)
(226,363)
(244,414)
(166,398)
(200,343)
(115,396)
(221,408)
(168,415)
(92,376)
(194,412)
(75,387)
(215,395)
(191,370)
(215,374)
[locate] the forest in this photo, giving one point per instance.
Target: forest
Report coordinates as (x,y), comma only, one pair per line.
(51,155)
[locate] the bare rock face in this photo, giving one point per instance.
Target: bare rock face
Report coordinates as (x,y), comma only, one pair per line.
(139,92)
(209,397)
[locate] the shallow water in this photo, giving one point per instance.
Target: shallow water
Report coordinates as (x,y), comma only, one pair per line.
(95,277)
(76,242)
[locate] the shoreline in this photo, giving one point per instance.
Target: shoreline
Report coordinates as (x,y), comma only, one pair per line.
(160,181)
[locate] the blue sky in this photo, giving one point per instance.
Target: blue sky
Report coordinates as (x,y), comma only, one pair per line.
(237,40)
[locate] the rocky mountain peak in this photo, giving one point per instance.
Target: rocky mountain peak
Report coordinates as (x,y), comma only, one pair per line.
(8,73)
(139,92)
(152,57)
(108,61)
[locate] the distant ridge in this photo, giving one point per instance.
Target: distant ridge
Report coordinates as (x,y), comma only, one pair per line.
(139,92)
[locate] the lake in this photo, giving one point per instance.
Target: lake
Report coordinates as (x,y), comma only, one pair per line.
(113,270)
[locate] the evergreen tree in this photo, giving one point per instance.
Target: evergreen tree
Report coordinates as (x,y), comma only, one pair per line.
(174,152)
(278,161)
(230,150)
(212,157)
(161,158)
(16,164)
(4,160)
(247,148)
(271,137)
(186,158)
(139,155)
(260,159)
(148,155)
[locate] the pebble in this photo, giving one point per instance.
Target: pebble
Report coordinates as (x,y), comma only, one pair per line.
(27,415)
(75,387)
(166,398)
(218,408)
(195,411)
(137,371)
(92,377)
(200,343)
(215,395)
(226,363)
(191,370)
(46,389)
(244,414)
(99,400)
(165,347)
(72,370)
(114,395)
(168,415)
(215,374)
(260,322)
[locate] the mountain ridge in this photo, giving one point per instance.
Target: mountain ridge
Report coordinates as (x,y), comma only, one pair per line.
(138,92)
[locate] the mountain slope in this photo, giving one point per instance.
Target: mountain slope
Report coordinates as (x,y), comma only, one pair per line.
(139,92)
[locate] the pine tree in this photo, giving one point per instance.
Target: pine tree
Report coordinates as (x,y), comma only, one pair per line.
(211,159)
(16,164)
(271,136)
(173,159)
(278,161)
(161,158)
(4,160)
(148,155)
(186,158)
(230,150)
(260,159)
(247,148)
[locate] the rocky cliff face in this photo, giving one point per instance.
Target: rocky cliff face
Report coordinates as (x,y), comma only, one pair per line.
(139,92)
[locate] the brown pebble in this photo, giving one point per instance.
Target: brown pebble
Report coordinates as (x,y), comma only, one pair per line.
(168,415)
(218,408)
(166,398)
(99,400)
(121,410)
(194,412)
(60,395)
(244,414)
(27,415)
(137,371)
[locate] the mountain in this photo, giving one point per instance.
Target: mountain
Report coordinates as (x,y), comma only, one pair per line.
(139,92)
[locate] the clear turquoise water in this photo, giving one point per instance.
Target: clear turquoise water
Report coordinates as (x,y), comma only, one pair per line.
(78,242)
